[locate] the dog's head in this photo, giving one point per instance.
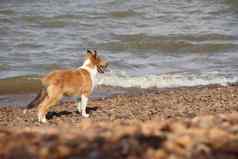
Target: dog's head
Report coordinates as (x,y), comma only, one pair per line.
(97,61)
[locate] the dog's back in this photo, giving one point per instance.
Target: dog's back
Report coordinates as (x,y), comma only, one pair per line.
(73,82)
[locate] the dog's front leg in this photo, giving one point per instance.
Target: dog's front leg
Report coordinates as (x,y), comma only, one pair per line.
(79,104)
(84,102)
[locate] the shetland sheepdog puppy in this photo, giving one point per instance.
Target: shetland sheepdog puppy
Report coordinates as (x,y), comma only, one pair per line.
(78,82)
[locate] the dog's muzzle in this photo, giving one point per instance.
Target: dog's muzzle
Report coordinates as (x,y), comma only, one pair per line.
(102,68)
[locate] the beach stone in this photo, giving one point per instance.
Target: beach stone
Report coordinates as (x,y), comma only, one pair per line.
(195,122)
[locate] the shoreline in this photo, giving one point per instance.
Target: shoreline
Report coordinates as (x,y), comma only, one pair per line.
(136,104)
(10,98)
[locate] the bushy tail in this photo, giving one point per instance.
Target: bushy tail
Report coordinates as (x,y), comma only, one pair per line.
(37,100)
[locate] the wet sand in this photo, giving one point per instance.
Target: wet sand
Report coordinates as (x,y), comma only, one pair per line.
(200,122)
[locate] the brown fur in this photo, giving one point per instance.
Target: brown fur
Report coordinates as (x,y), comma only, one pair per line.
(69,82)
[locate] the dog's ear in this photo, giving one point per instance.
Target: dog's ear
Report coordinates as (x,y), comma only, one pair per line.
(89,52)
(92,53)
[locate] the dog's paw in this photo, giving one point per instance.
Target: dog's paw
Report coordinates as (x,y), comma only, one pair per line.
(85,115)
(42,119)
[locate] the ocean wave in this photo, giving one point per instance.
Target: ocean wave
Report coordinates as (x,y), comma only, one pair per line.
(174,43)
(185,37)
(123,14)
(165,80)
(4,66)
(31,83)
(50,22)
(7,12)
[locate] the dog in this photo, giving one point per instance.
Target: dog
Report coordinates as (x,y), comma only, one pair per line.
(78,82)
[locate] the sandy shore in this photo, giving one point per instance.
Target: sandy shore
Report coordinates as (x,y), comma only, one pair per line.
(200,122)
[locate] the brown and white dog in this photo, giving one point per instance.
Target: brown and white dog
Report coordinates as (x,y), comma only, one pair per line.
(78,82)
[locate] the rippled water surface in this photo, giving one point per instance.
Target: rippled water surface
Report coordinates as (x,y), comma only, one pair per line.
(162,43)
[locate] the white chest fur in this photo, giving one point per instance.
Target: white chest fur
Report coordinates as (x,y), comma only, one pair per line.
(92,72)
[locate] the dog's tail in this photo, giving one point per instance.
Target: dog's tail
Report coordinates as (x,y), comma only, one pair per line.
(38,99)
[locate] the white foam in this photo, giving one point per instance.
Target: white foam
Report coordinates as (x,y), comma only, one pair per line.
(122,79)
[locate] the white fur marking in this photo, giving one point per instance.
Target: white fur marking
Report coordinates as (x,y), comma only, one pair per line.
(84,102)
(42,117)
(92,72)
(79,106)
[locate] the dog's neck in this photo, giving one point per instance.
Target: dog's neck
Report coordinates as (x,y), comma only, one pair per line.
(91,68)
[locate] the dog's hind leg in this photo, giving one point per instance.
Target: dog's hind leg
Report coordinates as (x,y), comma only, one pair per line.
(43,108)
(78,99)
(54,95)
